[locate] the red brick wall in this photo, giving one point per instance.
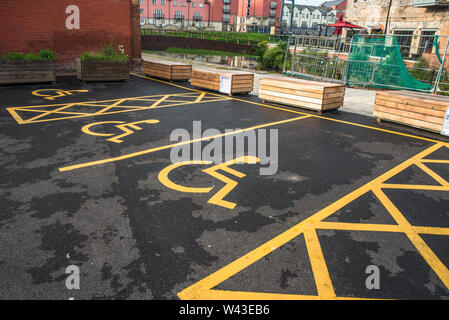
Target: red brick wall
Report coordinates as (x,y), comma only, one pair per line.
(32,25)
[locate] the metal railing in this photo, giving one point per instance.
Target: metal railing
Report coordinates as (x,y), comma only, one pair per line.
(323,59)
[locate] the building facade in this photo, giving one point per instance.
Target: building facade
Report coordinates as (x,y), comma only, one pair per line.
(339,6)
(69,27)
(258,15)
(307,17)
(216,15)
(414,22)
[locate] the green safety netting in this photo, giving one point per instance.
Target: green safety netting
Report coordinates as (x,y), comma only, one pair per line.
(377,62)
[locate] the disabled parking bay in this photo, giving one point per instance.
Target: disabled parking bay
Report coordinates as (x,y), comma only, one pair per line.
(87,180)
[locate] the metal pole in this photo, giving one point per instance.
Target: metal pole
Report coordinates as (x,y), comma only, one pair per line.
(388,17)
(282,14)
(286,54)
(291,17)
(345,75)
(441,71)
(294,55)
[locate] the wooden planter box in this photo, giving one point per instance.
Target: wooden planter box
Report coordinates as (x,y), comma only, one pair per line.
(99,70)
(419,110)
(27,71)
(225,81)
(167,70)
(312,95)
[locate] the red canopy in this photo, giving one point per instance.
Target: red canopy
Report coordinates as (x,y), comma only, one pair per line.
(344,24)
(340,24)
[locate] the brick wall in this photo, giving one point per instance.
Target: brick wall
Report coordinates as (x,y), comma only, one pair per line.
(32,25)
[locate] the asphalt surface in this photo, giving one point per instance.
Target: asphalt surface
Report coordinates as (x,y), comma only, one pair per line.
(74,198)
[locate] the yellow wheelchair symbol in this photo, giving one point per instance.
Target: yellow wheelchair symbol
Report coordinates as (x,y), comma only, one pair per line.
(217,198)
(52,94)
(126,128)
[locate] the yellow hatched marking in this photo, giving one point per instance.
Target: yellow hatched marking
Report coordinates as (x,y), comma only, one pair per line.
(431,258)
(319,267)
(204,289)
(109,106)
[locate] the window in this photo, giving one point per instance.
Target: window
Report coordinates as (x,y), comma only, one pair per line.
(175,3)
(141,1)
(405,38)
(183,4)
(200,5)
(142,21)
(193,4)
(426,42)
(162,2)
(154,2)
(141,11)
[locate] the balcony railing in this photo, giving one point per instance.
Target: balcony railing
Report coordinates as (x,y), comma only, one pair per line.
(273,6)
(226,1)
(159,16)
(226,20)
(272,14)
(197,18)
(179,17)
(226,10)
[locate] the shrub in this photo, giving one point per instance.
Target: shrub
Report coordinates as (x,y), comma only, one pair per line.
(42,55)
(13,56)
(273,59)
(31,56)
(47,54)
(108,53)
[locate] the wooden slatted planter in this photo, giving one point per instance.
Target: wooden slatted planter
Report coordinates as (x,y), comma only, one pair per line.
(173,71)
(27,71)
(102,70)
(225,81)
(312,95)
(419,110)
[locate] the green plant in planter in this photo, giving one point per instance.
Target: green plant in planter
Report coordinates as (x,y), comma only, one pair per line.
(108,53)
(42,55)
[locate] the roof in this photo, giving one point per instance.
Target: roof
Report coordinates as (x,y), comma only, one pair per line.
(331,3)
(301,7)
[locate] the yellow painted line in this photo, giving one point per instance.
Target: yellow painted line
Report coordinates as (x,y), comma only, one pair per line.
(86,128)
(378,228)
(432,230)
(298,112)
(433,174)
(49,112)
(321,274)
(357,226)
(163,177)
(201,98)
(413,187)
(204,285)
(435,161)
(425,251)
(16,117)
(151,150)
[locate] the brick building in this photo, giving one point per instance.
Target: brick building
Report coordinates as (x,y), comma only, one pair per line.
(215,15)
(69,27)
(258,15)
(188,14)
(414,22)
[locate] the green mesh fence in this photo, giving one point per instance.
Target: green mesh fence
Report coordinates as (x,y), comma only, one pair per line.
(377,62)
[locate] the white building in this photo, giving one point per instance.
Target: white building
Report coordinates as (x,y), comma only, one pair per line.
(307,16)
